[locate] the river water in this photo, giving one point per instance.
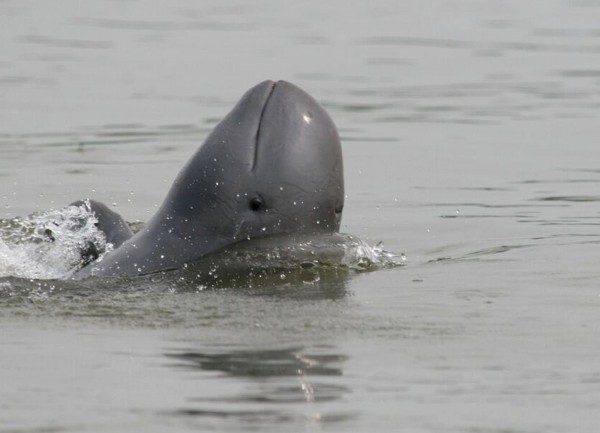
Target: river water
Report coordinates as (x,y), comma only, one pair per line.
(470,133)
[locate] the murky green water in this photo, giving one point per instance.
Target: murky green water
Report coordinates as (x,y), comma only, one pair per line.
(470,133)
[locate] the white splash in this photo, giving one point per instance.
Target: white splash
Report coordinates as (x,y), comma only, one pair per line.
(293,251)
(50,245)
(361,255)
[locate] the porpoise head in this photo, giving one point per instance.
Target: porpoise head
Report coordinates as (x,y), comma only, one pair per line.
(273,165)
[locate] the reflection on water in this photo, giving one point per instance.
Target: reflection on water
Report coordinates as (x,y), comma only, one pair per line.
(276,382)
(266,363)
(174,298)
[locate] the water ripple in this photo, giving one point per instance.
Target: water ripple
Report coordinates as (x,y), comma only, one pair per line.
(172,26)
(476,45)
(571,198)
(64,43)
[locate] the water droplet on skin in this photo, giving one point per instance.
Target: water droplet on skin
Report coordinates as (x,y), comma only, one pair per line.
(264,229)
(307,117)
(114,204)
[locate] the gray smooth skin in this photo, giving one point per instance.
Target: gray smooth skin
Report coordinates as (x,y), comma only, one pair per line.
(273,165)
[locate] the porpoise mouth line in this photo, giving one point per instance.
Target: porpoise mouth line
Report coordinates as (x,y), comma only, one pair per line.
(260,119)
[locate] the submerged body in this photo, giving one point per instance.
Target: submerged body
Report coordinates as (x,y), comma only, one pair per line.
(272,166)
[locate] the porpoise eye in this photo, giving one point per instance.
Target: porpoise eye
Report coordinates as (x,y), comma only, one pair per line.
(256,203)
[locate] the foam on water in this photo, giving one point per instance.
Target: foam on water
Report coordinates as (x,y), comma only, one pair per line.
(50,245)
(56,243)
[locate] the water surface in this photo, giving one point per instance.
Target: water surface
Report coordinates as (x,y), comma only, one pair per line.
(470,134)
